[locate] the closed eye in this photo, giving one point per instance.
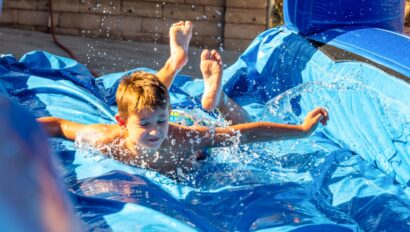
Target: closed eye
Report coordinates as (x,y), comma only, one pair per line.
(144,124)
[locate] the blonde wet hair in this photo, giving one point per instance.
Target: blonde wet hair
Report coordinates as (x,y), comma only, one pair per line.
(141,90)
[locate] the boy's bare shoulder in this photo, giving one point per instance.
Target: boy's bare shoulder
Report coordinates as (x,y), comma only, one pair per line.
(102,134)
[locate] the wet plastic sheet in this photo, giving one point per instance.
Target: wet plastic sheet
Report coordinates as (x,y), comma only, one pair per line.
(310,16)
(370,43)
(351,175)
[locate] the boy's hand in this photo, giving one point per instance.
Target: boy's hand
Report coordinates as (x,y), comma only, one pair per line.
(313,118)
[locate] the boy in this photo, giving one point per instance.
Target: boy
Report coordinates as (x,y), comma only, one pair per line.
(143,136)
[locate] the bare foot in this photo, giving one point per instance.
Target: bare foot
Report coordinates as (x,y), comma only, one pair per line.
(211,68)
(180,35)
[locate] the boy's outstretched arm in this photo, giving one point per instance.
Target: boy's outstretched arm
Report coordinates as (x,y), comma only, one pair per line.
(249,132)
(58,127)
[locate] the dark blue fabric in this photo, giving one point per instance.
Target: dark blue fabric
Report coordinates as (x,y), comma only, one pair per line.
(310,16)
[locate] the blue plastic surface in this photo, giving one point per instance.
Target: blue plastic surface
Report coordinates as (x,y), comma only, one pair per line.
(309,16)
(352,175)
(371,43)
(341,178)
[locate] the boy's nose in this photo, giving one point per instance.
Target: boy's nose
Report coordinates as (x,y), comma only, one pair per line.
(154,131)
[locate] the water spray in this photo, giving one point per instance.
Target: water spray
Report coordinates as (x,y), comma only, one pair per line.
(56,41)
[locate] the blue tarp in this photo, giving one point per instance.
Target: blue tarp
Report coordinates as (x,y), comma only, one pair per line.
(371,44)
(310,16)
(351,175)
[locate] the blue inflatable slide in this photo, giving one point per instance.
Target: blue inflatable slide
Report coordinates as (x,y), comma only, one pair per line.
(352,175)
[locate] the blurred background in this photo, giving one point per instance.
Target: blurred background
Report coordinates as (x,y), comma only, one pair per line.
(117,35)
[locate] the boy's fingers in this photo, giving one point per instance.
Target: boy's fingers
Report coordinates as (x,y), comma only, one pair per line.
(323,121)
(313,113)
(322,111)
(319,114)
(317,118)
(325,116)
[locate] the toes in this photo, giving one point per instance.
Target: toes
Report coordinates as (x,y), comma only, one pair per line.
(218,59)
(175,26)
(213,53)
(188,24)
(185,27)
(188,28)
(205,54)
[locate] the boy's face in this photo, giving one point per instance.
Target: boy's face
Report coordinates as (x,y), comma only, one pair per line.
(147,128)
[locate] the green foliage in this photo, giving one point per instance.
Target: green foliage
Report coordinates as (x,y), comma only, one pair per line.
(276,15)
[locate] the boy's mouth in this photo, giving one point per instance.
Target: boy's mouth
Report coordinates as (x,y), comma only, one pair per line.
(154,140)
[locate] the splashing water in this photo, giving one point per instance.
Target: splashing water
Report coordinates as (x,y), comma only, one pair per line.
(368,116)
(288,160)
(85,143)
(283,161)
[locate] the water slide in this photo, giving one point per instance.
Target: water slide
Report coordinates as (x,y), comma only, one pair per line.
(352,175)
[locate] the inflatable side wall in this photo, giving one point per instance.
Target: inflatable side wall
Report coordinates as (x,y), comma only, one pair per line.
(310,16)
(364,31)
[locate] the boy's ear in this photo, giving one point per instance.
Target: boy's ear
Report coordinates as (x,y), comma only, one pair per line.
(121,122)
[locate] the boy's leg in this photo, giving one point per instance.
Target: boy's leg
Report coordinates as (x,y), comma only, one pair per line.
(232,111)
(214,97)
(179,37)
